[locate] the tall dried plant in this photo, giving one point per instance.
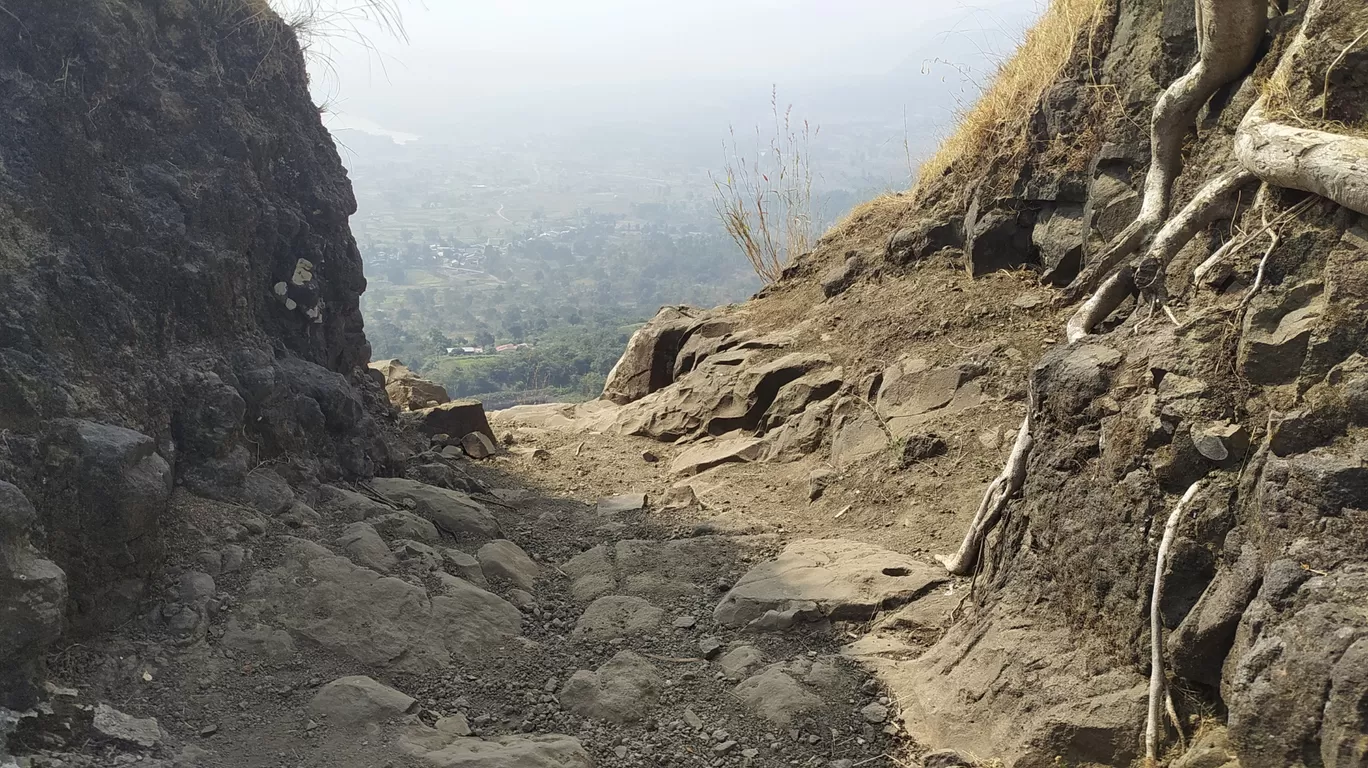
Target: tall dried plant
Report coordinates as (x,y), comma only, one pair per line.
(765,202)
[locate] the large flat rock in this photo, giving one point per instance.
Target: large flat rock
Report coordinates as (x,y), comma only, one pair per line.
(836,578)
(451,511)
(443,749)
(457,418)
(705,456)
(659,570)
(1021,688)
(376,620)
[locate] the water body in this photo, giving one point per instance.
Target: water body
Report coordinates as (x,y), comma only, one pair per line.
(339,122)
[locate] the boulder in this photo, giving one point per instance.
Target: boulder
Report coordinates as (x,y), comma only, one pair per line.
(458,417)
(840,277)
(1275,341)
(1058,238)
(264,490)
(105,489)
(1198,647)
(776,697)
(624,502)
(446,750)
(1297,686)
(739,661)
(404,525)
(818,481)
(622,690)
(32,602)
(920,239)
(503,559)
(359,700)
(477,445)
(856,433)
(111,724)
(801,435)
(406,390)
(349,506)
(258,642)
(376,620)
(997,237)
(451,511)
(465,566)
(365,547)
(648,363)
(794,397)
(728,391)
(912,392)
(660,570)
(844,580)
(615,616)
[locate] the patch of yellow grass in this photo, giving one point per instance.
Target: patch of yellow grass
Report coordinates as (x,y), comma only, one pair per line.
(994,127)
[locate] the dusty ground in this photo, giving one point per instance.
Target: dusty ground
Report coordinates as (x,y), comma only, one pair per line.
(220,707)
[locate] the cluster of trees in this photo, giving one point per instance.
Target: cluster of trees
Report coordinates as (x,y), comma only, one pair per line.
(568,362)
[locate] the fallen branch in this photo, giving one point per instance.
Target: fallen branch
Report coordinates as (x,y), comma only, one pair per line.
(1157,686)
(1096,309)
(994,501)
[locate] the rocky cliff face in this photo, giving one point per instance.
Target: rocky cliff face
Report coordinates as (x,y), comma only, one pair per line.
(178,291)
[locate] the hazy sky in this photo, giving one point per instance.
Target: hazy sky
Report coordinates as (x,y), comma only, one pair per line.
(463,56)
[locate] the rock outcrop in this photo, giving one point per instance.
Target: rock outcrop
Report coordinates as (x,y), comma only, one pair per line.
(179,289)
(407,390)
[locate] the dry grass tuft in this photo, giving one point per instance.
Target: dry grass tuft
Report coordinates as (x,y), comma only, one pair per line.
(318,26)
(765,203)
(994,127)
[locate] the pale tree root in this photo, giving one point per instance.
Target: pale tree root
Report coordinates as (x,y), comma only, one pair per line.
(1331,165)
(1002,488)
(1158,688)
(1228,36)
(1096,309)
(1213,201)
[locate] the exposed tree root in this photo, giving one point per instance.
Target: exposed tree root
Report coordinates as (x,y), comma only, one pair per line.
(1331,165)
(1228,36)
(1096,309)
(1214,201)
(1158,685)
(1013,476)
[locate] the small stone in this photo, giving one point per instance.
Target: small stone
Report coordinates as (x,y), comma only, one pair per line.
(649,458)
(477,445)
(875,713)
(710,647)
(818,480)
(750,754)
(620,751)
(685,622)
(694,721)
(724,747)
(113,724)
(208,730)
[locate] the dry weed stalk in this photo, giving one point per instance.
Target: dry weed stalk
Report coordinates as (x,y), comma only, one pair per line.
(765,202)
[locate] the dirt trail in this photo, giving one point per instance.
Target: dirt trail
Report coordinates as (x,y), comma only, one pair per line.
(256,620)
